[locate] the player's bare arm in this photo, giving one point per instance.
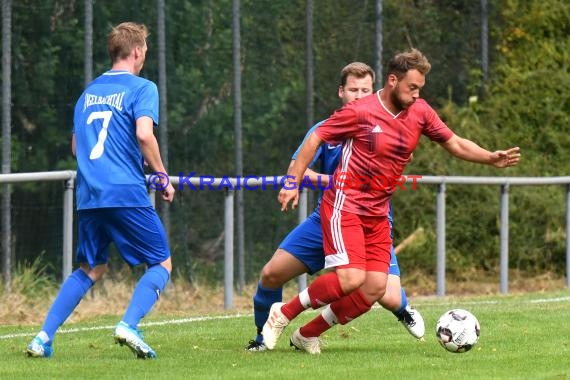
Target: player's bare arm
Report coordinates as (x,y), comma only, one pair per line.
(290,192)
(151,152)
(316,178)
(469,151)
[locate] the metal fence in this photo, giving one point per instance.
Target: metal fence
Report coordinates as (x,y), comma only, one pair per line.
(68,177)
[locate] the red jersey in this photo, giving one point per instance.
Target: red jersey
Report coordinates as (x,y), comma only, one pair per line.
(376,148)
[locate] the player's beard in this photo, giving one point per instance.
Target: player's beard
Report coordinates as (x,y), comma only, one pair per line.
(397,101)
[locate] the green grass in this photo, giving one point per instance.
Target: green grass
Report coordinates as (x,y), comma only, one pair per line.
(522,337)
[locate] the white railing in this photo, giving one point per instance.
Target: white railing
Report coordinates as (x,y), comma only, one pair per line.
(505,183)
(68,177)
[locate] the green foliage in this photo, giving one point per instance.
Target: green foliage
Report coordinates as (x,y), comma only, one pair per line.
(46,58)
(32,280)
(527,97)
(525,103)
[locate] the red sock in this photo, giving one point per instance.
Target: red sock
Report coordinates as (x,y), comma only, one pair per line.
(315,327)
(340,311)
(322,291)
(292,308)
(350,307)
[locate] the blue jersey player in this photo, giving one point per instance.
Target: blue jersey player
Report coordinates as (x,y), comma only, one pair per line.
(112,139)
(302,249)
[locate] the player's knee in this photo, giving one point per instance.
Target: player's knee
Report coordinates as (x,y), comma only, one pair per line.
(95,273)
(375,291)
(167,264)
(349,284)
(270,278)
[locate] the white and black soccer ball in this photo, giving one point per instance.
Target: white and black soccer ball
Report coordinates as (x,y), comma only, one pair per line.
(457,330)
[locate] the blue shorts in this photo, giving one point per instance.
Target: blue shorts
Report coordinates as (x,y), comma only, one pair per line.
(305,243)
(137,232)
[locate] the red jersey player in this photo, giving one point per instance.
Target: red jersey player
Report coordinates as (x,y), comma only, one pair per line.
(379,133)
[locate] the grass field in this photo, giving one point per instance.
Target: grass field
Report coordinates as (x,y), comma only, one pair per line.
(522,337)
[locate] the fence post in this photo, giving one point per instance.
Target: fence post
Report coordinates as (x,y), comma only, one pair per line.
(68,227)
(504,236)
(568,236)
(229,249)
(302,279)
(152,197)
(440,227)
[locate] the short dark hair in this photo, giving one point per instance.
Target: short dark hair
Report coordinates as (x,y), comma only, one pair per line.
(403,62)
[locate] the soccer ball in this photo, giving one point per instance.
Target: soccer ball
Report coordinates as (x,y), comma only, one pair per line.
(457,330)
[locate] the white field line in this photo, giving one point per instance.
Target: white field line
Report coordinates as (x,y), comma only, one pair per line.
(233,316)
(156,323)
(493,302)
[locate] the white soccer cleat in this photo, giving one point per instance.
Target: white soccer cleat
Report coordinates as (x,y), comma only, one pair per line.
(274,326)
(38,349)
(413,322)
(312,345)
(125,335)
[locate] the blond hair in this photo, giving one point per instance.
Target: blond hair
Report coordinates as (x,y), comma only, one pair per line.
(124,37)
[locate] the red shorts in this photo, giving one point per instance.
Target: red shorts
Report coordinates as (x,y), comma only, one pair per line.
(355,241)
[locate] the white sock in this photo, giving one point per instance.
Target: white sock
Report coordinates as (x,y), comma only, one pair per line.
(305,299)
(329,316)
(43,336)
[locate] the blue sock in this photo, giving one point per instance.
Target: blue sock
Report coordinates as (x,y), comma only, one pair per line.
(403,304)
(69,296)
(146,293)
(262,301)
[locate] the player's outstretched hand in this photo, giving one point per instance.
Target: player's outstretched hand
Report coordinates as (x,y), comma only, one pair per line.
(287,195)
(506,158)
(168,193)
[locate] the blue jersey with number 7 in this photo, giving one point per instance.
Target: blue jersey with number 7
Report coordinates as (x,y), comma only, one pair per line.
(109,160)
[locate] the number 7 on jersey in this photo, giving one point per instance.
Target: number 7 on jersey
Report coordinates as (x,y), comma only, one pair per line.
(99,147)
